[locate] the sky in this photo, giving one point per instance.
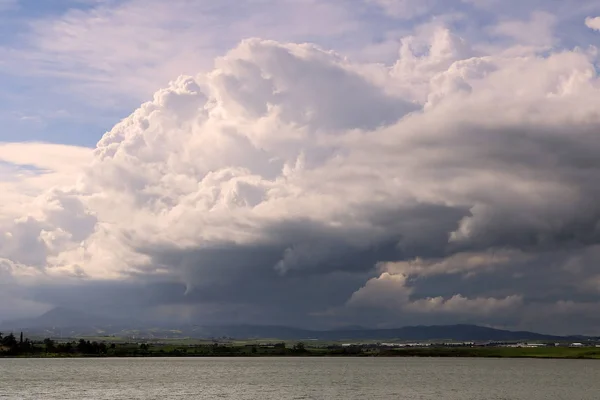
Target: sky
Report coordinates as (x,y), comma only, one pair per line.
(315,163)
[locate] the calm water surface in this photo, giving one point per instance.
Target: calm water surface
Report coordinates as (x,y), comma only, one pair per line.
(299,378)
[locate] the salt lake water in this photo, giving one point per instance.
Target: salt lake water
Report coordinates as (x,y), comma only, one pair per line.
(299,378)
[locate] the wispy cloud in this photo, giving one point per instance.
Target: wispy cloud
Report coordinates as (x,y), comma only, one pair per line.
(135,46)
(536,31)
(405,9)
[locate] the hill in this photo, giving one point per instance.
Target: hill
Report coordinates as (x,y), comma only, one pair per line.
(62,322)
(414,333)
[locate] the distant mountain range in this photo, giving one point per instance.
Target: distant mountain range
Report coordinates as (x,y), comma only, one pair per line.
(61,317)
(61,322)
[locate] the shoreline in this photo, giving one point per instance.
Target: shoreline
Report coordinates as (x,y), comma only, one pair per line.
(592,354)
(48,348)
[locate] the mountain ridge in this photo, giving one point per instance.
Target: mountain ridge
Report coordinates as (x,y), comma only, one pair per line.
(74,323)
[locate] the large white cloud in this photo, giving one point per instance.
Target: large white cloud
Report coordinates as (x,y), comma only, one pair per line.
(288,162)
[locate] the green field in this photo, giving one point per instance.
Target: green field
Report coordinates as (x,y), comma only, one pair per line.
(499,352)
(249,350)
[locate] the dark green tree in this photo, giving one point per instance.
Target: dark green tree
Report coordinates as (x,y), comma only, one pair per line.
(299,348)
(49,344)
(9,341)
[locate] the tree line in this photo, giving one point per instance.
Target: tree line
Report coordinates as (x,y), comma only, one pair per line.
(11,346)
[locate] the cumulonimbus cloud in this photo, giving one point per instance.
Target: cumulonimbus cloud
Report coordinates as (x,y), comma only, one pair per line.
(289,164)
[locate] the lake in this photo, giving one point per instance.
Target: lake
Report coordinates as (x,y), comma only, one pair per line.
(299,378)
